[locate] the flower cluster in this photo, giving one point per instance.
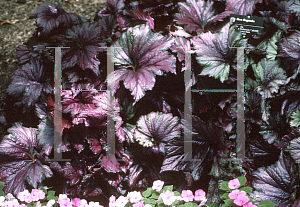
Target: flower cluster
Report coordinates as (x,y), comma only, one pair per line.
(42,198)
(160,196)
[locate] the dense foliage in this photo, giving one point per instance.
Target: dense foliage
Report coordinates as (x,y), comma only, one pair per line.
(151,38)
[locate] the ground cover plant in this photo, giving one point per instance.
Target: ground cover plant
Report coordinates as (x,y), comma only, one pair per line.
(150,40)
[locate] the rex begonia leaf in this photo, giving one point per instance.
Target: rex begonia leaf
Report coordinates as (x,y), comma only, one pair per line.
(214,52)
(52,15)
(84,42)
(110,164)
(29,83)
(140,55)
(295,119)
(197,14)
(21,145)
(23,54)
(294,149)
(156,128)
(180,46)
(289,49)
(270,76)
(242,7)
(274,182)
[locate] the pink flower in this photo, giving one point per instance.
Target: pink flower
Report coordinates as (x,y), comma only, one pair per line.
(112,201)
(23,194)
(249,205)
(121,201)
(84,203)
(234,194)
(158,185)
(38,204)
(28,198)
(139,204)
(76,202)
(37,194)
(168,197)
(199,195)
(187,195)
(233,184)
(134,196)
(241,199)
(64,201)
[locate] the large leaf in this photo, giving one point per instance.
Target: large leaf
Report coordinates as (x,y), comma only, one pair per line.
(140,55)
(197,14)
(29,83)
(270,77)
(52,15)
(156,128)
(274,182)
(294,149)
(215,54)
(84,43)
(20,153)
(242,7)
(295,119)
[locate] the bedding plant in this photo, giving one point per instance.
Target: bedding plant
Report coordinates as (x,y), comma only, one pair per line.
(150,39)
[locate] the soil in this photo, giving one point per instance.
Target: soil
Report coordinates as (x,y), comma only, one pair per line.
(16,28)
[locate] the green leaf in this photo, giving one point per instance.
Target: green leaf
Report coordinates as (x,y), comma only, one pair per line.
(247,189)
(44,190)
(51,193)
(229,202)
(213,205)
(243,180)
(176,193)
(224,186)
(224,196)
(269,77)
(1,187)
(266,203)
(149,201)
(148,192)
(154,195)
(168,187)
(295,119)
(271,51)
(190,205)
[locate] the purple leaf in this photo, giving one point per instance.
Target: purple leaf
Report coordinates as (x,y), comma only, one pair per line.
(156,128)
(198,14)
(29,82)
(242,7)
(84,43)
(23,54)
(274,182)
(111,164)
(52,15)
(21,145)
(215,54)
(140,56)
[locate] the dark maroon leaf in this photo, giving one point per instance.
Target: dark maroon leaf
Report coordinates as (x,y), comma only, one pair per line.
(29,83)
(84,42)
(110,164)
(23,54)
(52,15)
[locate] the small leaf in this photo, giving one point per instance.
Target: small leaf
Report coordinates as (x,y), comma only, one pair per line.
(266,203)
(147,192)
(295,119)
(243,180)
(247,189)
(190,205)
(213,205)
(224,196)
(168,187)
(224,185)
(229,202)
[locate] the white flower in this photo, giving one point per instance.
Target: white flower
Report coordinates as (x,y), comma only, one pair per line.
(158,185)
(94,204)
(168,197)
(134,196)
(51,203)
(121,201)
(147,205)
(23,194)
